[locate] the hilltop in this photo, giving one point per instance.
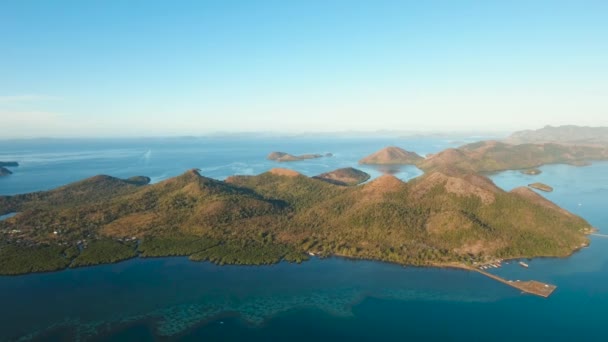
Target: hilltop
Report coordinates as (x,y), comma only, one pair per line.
(441,217)
(571,135)
(392,155)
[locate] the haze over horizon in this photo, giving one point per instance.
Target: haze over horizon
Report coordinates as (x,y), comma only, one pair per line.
(145,68)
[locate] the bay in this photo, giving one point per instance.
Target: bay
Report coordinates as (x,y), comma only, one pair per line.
(322,299)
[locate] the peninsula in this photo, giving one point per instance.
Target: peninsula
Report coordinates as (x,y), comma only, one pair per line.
(5,172)
(286,157)
(9,164)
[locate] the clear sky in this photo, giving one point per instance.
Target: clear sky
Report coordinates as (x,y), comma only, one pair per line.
(136,68)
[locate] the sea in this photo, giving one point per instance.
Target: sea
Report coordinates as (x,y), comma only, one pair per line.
(331,299)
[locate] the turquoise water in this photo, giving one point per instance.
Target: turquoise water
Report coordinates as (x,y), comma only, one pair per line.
(328,299)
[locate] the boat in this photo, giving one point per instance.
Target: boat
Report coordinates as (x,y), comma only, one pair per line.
(523,264)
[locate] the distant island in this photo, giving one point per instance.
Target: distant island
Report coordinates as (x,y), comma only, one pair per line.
(571,135)
(347,176)
(531,172)
(492,156)
(3,168)
(541,186)
(286,157)
(392,155)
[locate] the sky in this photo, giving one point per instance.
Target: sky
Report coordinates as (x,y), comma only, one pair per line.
(161,68)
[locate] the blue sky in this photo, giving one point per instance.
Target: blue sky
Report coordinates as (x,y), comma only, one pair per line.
(133,68)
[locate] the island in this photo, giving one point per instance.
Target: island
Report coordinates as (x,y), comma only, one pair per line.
(392,155)
(444,218)
(286,157)
(346,176)
(3,168)
(531,172)
(5,172)
(541,187)
(493,156)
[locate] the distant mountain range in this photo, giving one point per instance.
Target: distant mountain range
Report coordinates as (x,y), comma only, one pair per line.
(572,135)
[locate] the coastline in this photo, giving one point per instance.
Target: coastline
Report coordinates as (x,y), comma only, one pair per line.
(524,286)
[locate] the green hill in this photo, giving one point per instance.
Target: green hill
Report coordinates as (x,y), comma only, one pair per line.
(442,216)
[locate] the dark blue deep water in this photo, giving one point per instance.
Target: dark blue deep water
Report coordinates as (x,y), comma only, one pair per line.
(329,299)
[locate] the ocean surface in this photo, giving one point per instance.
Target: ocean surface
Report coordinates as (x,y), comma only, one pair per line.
(322,299)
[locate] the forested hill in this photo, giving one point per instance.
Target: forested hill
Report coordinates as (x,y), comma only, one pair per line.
(443,216)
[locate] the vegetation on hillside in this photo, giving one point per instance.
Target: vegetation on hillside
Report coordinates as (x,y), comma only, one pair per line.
(104,251)
(16,259)
(447,216)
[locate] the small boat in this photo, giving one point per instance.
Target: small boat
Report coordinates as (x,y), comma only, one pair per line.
(523,264)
